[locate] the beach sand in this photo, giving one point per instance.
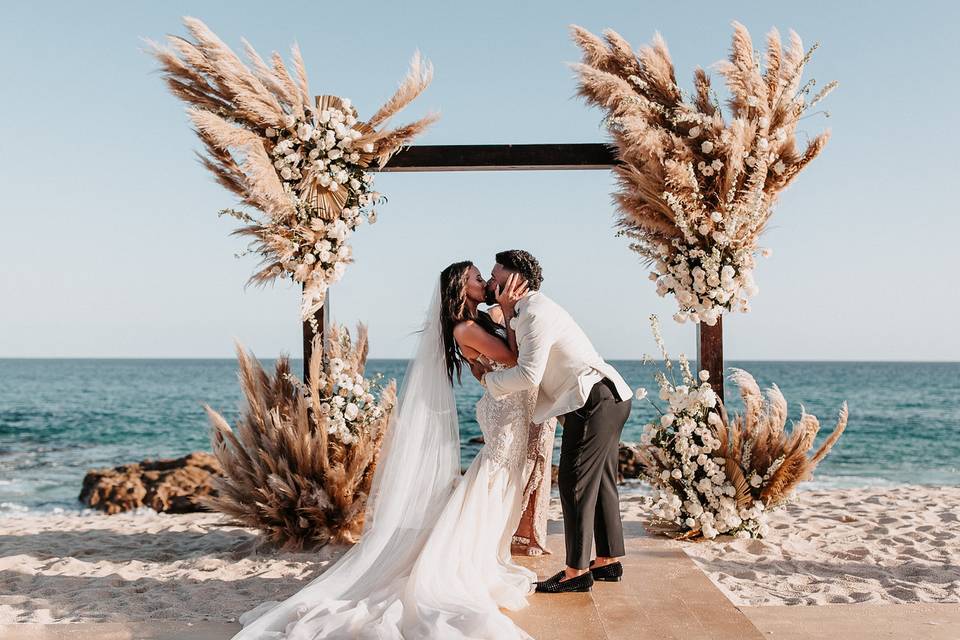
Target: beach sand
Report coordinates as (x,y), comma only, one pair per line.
(890,545)
(880,546)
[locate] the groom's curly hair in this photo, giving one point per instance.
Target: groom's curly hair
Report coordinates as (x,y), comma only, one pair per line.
(523,263)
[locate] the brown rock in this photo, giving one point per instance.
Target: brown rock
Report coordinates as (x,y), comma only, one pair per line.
(629,467)
(168,485)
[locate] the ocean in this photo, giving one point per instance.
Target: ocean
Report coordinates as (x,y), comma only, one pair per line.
(59,418)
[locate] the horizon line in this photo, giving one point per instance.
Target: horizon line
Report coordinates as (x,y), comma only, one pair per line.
(369,358)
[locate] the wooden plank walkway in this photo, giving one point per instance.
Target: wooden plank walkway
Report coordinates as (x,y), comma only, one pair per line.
(663,595)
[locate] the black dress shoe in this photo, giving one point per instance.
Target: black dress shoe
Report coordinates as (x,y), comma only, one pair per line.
(556,584)
(612,572)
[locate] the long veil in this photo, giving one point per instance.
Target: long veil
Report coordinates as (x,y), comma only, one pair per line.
(419,466)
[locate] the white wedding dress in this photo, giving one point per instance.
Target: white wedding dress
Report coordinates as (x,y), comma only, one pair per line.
(434,558)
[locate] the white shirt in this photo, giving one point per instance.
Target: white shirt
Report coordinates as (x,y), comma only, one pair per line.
(556,357)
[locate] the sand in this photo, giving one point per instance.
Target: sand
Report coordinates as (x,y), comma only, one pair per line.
(140,566)
(876,546)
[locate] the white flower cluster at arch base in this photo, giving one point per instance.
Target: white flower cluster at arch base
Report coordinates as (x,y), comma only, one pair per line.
(350,408)
(345,401)
(687,465)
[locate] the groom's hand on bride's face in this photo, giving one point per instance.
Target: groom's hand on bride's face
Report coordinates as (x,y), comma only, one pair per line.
(507,296)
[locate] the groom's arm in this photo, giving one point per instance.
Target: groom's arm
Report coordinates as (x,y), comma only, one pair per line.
(534,341)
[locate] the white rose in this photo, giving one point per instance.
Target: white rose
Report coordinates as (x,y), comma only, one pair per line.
(285,173)
(641,393)
(368,147)
(706,147)
(694,132)
(354,183)
(675,474)
(304,131)
(716,216)
(351,411)
(667,419)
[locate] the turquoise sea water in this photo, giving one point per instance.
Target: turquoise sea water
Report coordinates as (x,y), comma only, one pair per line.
(59,418)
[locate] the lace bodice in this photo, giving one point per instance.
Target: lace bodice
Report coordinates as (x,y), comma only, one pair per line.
(505,424)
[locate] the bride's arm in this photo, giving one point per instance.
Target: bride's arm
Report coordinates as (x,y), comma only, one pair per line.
(472,336)
(497,314)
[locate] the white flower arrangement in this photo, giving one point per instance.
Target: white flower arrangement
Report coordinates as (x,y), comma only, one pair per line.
(297,159)
(715,476)
(349,404)
(696,189)
(685,461)
(322,152)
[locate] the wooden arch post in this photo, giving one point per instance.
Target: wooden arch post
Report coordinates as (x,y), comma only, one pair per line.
(528,157)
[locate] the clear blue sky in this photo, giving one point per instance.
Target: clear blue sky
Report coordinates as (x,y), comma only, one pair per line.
(111,246)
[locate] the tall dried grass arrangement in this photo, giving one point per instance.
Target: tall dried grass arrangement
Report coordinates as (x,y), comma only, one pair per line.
(756,445)
(243,113)
(690,180)
(284,472)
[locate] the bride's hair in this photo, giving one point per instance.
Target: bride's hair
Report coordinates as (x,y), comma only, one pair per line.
(454,310)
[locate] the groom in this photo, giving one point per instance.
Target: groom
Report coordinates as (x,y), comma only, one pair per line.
(588,397)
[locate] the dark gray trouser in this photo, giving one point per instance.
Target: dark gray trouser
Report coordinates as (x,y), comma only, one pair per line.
(589,456)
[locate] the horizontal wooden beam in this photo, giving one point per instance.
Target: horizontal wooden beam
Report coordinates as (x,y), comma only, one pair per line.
(502,157)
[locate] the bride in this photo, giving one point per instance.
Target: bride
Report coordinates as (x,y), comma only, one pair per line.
(434,558)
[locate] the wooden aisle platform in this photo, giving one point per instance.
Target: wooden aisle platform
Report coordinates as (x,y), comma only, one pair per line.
(663,596)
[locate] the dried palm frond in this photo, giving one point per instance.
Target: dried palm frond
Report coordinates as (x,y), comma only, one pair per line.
(284,473)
